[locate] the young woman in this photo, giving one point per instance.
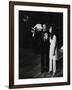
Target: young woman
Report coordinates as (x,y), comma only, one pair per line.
(53,50)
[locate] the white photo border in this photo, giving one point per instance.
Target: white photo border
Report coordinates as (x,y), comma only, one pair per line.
(18,81)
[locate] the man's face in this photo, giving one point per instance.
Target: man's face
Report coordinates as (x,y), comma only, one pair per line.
(44,27)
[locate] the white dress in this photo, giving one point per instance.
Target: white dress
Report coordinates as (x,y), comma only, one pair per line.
(52,54)
(53,48)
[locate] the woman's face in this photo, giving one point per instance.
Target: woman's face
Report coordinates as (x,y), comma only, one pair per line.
(50,29)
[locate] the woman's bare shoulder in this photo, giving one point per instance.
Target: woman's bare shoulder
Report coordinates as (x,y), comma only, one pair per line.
(54,37)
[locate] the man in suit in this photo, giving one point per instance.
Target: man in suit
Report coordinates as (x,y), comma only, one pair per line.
(45,49)
(41,35)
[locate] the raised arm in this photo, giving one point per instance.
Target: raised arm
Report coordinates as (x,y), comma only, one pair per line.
(33,31)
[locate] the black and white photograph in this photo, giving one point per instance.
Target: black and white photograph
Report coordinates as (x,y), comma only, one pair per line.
(39,44)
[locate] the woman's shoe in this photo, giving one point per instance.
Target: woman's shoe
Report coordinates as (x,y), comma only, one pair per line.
(49,72)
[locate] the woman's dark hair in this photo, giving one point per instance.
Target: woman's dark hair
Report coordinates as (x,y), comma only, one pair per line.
(54,31)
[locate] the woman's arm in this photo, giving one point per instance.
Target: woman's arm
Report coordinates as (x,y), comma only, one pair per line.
(54,40)
(54,43)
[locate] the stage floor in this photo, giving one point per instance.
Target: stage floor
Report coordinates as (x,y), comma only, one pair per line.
(30,65)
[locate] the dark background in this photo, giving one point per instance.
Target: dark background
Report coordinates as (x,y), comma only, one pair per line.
(29,57)
(25,39)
